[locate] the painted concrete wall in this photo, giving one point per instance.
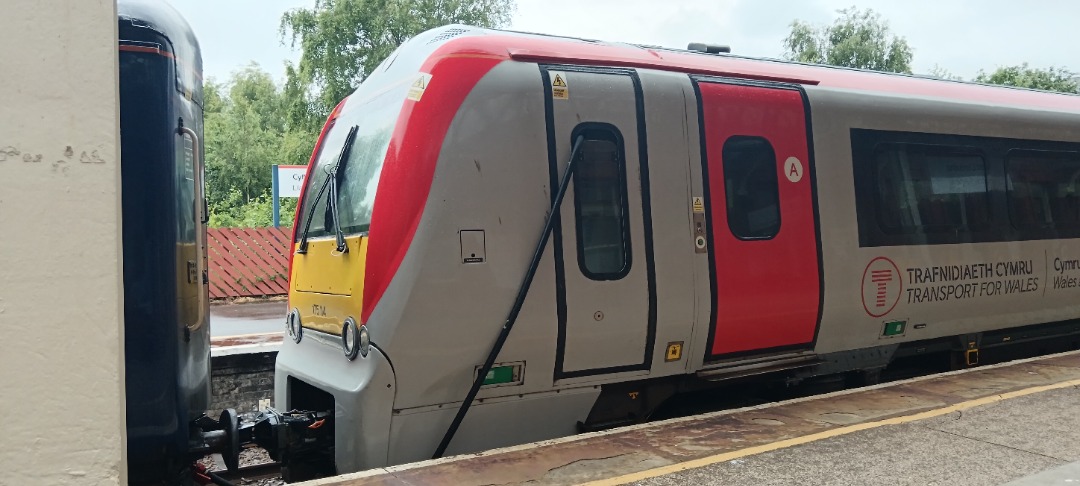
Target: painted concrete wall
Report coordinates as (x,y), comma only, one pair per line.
(61,334)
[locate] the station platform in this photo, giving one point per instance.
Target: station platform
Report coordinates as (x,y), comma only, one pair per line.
(1013,423)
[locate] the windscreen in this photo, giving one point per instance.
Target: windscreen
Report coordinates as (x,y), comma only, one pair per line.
(374,109)
(356,175)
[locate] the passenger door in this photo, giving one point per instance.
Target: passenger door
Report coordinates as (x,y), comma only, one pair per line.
(603,247)
(763,242)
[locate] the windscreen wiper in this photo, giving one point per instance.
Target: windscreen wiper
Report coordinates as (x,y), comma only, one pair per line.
(343,159)
(331,175)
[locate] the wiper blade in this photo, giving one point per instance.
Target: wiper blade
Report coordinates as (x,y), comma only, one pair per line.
(302,248)
(331,175)
(343,158)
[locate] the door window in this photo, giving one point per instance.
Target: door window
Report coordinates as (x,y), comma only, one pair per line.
(600,203)
(753,193)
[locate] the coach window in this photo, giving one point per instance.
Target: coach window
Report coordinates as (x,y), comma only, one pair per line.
(751,184)
(930,189)
(185,188)
(600,203)
(1044,189)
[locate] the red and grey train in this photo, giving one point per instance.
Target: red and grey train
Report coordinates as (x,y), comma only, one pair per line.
(509,237)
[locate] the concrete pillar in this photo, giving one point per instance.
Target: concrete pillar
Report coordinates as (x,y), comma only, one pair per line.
(61,329)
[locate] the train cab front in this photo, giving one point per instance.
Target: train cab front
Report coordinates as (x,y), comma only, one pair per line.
(328,368)
(353,247)
(330,373)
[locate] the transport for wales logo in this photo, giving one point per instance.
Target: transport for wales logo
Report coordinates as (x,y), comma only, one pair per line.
(881,287)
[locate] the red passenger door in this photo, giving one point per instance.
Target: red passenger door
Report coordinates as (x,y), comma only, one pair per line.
(759,202)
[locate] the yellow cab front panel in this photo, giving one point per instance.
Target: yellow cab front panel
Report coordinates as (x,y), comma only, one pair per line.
(328,285)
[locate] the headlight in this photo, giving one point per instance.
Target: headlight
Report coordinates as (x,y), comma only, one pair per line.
(293,325)
(354,339)
(365,341)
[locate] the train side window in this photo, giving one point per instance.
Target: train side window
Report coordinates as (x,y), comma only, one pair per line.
(1043,189)
(185,190)
(602,221)
(752,187)
(930,189)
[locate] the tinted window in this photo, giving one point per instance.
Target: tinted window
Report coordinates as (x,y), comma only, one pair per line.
(600,204)
(753,193)
(930,189)
(1044,189)
(185,190)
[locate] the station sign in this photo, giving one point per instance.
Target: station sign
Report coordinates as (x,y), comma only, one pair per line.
(290,179)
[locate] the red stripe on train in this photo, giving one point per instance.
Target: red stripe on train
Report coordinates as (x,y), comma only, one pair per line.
(409,168)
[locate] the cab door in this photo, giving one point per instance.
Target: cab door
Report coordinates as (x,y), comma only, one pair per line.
(602,243)
(763,241)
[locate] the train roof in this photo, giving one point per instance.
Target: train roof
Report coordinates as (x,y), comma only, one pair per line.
(521,46)
(157,22)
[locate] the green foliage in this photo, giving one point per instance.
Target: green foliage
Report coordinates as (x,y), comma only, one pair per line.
(858,39)
(942,73)
(1022,76)
(343,40)
(247,131)
(235,212)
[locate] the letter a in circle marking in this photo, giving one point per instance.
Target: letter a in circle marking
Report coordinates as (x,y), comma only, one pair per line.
(793,169)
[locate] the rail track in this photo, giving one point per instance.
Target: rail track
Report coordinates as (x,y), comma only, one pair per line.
(245,475)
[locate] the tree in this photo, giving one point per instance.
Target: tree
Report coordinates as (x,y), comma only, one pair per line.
(942,73)
(343,40)
(234,212)
(858,39)
(248,130)
(1022,76)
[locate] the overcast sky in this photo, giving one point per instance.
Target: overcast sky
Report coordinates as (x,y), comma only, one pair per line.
(962,36)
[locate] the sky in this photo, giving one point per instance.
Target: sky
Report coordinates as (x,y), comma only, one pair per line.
(960,36)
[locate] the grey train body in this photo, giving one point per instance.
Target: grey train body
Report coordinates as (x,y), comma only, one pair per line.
(439,315)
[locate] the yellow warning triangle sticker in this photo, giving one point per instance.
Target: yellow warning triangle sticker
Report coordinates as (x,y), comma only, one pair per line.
(558,81)
(416,91)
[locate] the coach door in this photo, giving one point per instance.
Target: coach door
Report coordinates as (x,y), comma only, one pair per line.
(602,245)
(763,247)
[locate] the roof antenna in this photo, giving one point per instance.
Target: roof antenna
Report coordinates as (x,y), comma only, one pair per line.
(709,48)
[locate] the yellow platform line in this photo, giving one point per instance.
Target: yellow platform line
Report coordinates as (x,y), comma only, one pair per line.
(749,451)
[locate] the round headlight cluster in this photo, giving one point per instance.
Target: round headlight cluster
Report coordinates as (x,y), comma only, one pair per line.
(293,325)
(355,339)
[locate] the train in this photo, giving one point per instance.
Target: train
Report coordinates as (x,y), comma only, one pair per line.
(507,237)
(164,216)
(164,213)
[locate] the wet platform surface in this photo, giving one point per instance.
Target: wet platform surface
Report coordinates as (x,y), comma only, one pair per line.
(986,425)
(246,328)
(228,320)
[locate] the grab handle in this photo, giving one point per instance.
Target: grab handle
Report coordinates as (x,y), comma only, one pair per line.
(200,232)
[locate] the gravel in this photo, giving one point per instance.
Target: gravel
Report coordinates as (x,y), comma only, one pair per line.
(248,457)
